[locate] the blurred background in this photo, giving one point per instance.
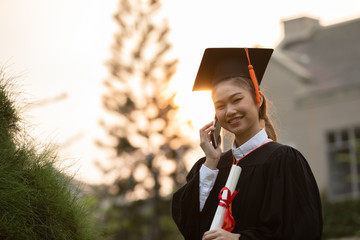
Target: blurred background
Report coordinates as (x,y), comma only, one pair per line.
(109,83)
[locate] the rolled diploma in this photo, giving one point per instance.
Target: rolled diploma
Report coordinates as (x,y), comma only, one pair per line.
(231,183)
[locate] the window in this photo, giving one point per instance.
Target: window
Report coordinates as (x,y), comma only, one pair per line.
(344,162)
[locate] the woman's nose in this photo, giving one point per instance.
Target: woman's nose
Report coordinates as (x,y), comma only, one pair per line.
(230,110)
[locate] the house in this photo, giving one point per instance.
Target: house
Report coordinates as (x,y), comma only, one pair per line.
(313,83)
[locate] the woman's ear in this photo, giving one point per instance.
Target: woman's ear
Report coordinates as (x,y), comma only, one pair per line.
(261,99)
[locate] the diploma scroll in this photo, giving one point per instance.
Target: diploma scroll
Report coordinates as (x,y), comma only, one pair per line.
(231,183)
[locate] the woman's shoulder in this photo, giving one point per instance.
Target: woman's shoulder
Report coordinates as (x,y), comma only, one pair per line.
(286,156)
(197,165)
(283,150)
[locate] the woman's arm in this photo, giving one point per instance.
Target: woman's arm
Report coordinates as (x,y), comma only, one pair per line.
(186,206)
(207,181)
(291,207)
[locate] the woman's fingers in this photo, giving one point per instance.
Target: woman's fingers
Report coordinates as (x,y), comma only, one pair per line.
(205,132)
(220,234)
(209,235)
(207,128)
(212,154)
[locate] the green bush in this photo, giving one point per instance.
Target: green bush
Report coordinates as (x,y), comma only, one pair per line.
(341,219)
(37,201)
(135,221)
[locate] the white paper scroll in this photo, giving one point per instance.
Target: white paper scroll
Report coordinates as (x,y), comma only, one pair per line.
(231,183)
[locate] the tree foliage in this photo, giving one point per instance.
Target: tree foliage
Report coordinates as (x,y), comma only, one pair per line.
(145,137)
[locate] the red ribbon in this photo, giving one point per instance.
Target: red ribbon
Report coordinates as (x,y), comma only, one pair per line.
(229,221)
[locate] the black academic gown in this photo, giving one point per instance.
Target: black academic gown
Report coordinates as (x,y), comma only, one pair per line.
(278,197)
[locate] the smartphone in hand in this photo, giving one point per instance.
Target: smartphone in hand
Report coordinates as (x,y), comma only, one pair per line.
(215,134)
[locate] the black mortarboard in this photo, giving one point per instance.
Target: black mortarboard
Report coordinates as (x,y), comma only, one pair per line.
(221,63)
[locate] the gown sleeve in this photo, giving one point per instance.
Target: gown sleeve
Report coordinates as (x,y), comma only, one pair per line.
(186,204)
(291,208)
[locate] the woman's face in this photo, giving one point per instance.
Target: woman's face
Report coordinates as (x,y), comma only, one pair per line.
(236,110)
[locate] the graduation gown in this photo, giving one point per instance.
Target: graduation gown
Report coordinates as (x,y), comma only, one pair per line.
(278,197)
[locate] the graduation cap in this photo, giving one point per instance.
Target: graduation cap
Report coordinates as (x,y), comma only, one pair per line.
(219,64)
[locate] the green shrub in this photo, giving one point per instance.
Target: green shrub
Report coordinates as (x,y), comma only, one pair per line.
(37,201)
(341,219)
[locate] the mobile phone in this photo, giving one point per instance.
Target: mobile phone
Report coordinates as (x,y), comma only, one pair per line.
(215,134)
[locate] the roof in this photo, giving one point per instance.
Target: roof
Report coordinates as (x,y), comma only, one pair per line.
(330,54)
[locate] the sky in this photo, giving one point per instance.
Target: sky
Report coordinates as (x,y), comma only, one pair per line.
(59,47)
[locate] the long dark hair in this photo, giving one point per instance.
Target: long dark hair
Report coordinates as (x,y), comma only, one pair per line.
(263,112)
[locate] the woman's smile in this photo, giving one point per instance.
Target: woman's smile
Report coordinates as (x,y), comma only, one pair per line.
(234,121)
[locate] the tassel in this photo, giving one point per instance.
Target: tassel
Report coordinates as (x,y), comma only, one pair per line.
(253,78)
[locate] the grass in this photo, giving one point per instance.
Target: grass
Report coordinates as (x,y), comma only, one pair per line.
(37,201)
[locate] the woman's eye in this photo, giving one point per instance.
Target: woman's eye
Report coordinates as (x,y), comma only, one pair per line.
(237,100)
(219,107)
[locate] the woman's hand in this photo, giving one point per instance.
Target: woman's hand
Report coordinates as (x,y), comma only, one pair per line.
(212,154)
(220,234)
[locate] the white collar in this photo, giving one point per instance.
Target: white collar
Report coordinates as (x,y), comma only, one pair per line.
(256,141)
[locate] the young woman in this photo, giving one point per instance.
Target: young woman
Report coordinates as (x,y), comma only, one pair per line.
(277,196)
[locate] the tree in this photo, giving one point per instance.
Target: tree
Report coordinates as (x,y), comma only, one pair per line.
(148,146)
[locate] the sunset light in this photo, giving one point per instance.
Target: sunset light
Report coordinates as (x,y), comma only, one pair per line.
(61,47)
